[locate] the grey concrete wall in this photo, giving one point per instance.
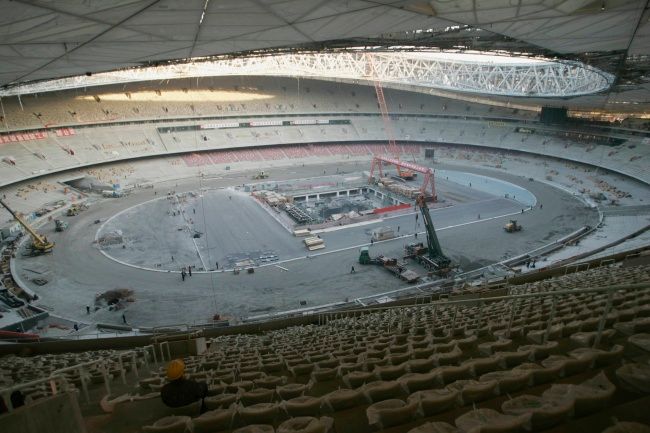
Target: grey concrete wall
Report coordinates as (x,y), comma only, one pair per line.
(58,414)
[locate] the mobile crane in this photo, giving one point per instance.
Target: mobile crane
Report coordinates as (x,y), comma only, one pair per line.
(431,256)
(40,244)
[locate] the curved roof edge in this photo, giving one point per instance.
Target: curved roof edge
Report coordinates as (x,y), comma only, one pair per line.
(492,75)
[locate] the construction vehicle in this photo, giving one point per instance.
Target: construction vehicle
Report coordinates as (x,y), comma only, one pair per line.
(390,264)
(40,244)
(73,211)
(364,256)
(261,175)
(512,227)
(60,225)
(431,255)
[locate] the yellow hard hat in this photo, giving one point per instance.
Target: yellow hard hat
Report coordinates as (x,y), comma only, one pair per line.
(175,369)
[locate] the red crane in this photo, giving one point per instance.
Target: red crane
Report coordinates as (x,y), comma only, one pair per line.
(405,170)
(385,117)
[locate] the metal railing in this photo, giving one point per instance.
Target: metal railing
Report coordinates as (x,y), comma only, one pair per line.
(83,374)
(84,377)
(5,393)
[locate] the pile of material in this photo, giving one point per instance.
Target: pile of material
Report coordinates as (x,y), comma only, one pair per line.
(314,243)
(270,197)
(399,187)
(111,238)
(114,299)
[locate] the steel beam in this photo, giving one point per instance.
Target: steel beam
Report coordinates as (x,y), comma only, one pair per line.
(532,78)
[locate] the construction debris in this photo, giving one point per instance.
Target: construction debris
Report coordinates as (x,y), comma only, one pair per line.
(111,238)
(272,198)
(114,299)
(399,187)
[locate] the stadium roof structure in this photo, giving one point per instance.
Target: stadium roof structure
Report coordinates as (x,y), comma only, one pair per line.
(44,39)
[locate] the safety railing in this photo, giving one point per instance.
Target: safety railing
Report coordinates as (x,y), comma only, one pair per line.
(161,341)
(102,364)
(57,383)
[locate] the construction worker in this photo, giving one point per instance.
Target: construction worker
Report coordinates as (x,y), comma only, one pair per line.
(179,391)
(352,271)
(183,274)
(189,268)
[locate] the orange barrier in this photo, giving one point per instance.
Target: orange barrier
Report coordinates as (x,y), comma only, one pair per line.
(391,208)
(6,335)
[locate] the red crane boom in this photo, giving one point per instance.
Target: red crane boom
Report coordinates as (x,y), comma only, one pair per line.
(385,117)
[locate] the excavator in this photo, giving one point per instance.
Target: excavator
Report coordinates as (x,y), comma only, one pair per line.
(431,255)
(40,244)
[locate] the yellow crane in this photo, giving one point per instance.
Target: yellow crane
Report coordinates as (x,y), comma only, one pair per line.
(40,244)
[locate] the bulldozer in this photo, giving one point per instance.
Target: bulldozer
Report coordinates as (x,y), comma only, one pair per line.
(512,227)
(261,175)
(60,225)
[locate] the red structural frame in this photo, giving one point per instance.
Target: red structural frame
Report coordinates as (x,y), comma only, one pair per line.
(428,187)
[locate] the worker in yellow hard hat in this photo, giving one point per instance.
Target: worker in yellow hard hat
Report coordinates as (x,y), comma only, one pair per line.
(180,391)
(175,369)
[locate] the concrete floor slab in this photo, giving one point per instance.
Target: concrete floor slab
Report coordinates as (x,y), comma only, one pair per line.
(78,270)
